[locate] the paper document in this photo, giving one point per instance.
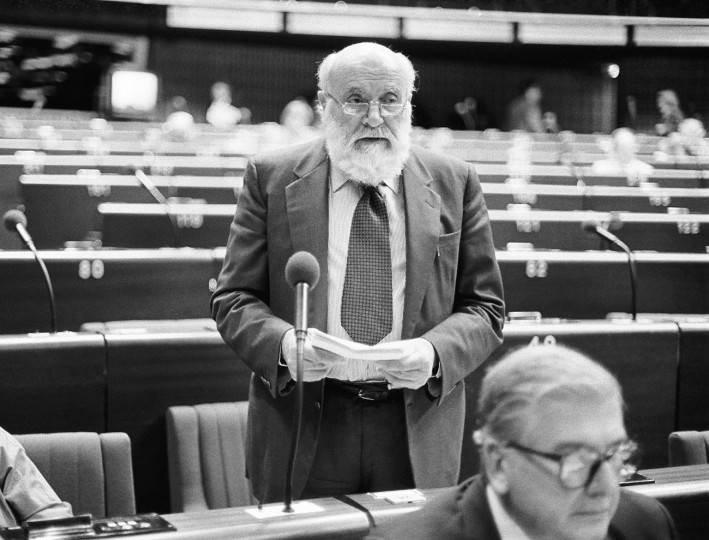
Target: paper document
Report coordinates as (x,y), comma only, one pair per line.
(350,349)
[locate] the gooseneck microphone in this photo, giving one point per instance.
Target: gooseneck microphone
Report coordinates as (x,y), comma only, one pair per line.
(302,274)
(15,221)
(147,183)
(593,227)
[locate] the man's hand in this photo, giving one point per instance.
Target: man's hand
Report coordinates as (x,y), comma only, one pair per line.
(411,370)
(316,365)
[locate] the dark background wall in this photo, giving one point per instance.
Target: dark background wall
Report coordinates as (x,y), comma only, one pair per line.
(268,70)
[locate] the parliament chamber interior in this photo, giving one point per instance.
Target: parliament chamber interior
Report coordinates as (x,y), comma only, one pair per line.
(128,194)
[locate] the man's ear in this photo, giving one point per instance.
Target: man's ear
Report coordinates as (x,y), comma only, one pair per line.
(322,98)
(495,464)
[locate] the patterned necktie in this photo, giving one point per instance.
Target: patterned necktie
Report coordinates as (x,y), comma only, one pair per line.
(366,311)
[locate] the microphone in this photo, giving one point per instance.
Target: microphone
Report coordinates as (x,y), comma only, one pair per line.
(593,227)
(16,221)
(302,274)
(148,184)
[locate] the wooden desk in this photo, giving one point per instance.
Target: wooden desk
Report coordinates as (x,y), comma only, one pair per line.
(562,230)
(52,382)
(591,284)
(104,285)
(566,175)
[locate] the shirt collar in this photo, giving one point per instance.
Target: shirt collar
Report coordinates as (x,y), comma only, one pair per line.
(338,179)
(506,525)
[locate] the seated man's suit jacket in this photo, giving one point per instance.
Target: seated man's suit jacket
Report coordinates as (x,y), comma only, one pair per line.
(462,513)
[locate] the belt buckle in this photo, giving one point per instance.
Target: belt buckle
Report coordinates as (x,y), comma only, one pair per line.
(372,395)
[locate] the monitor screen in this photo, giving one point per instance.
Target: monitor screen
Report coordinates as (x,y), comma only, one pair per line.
(133,94)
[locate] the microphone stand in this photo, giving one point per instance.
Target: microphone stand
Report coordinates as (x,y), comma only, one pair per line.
(50,289)
(632,265)
(301,317)
(160,198)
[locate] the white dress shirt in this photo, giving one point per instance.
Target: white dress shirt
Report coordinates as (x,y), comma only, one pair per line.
(343,198)
(506,526)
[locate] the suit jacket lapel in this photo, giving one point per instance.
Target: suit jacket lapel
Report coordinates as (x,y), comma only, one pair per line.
(422,229)
(307,207)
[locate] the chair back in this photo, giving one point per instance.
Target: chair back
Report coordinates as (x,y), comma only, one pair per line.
(206,448)
(91,471)
(688,448)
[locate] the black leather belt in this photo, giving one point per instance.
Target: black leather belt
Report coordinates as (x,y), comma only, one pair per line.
(366,390)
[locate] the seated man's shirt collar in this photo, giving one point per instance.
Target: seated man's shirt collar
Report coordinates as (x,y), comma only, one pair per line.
(506,526)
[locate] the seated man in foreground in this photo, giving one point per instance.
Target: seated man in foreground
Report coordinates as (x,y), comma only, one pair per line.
(25,495)
(553,450)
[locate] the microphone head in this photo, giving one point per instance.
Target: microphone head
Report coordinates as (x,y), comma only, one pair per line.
(302,267)
(12,218)
(590,226)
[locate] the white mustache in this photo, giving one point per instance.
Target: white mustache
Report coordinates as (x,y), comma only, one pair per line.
(377,134)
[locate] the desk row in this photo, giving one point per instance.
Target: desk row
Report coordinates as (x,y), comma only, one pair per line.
(105,284)
(63,208)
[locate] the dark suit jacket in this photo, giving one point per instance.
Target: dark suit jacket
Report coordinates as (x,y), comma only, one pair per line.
(462,513)
(453,298)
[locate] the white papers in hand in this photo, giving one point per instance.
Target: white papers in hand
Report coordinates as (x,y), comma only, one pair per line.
(350,349)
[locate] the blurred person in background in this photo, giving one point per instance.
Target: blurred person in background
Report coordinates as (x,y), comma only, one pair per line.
(670,112)
(179,122)
(222,113)
(621,149)
(524,112)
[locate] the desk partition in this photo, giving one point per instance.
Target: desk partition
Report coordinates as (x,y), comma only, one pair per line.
(52,382)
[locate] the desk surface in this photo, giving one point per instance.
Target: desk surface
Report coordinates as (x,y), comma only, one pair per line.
(337,519)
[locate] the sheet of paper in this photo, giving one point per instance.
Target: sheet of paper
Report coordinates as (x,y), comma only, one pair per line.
(359,351)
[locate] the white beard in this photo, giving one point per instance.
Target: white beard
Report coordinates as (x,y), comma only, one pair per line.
(369,164)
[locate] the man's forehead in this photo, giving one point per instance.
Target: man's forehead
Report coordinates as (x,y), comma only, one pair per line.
(378,67)
(595,422)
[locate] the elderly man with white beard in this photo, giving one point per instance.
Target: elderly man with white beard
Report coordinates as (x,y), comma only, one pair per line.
(408,273)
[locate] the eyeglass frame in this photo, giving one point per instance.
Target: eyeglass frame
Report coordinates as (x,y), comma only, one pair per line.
(380,106)
(624,469)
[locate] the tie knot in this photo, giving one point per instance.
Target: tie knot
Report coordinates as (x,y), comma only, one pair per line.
(372,192)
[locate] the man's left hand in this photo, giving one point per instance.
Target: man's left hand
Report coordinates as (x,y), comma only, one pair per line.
(411,370)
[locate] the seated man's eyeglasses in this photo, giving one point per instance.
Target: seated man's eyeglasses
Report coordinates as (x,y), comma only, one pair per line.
(577,468)
(361,108)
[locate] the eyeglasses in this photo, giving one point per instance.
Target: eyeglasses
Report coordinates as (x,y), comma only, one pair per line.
(361,108)
(578,467)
